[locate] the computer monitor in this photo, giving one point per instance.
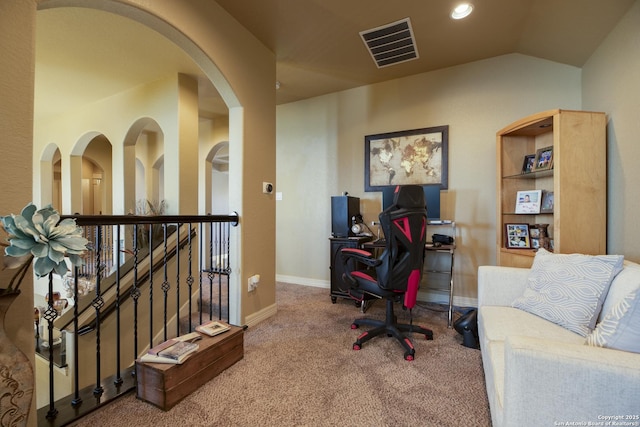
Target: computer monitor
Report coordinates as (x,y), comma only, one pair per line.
(431,195)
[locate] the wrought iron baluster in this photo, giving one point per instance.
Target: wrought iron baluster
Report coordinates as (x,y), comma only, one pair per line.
(178,245)
(135,291)
(118,380)
(190,279)
(165,282)
(77,400)
(97,304)
(150,247)
(50,315)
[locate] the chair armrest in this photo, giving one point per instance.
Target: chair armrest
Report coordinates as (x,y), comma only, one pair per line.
(550,381)
(500,285)
(361,256)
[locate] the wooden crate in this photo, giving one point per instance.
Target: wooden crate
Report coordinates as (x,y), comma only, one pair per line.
(165,385)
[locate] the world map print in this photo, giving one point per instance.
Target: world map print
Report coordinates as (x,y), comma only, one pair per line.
(406,160)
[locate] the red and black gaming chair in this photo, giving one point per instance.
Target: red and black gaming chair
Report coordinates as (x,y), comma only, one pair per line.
(396,274)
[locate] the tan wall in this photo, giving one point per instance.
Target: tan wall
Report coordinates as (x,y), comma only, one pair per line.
(321,153)
(17,20)
(610,83)
(223,48)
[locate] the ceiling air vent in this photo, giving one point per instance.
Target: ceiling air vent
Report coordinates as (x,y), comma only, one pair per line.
(391,44)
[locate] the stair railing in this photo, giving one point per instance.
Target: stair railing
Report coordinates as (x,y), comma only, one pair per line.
(160,274)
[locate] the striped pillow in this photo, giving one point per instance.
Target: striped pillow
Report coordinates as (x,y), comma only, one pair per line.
(568,289)
(620,328)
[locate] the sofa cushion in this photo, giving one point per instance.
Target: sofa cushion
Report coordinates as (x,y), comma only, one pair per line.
(500,322)
(620,328)
(568,289)
(625,282)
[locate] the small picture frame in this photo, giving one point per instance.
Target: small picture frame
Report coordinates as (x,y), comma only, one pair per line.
(535,243)
(528,202)
(529,163)
(544,159)
(534,232)
(518,236)
(547,202)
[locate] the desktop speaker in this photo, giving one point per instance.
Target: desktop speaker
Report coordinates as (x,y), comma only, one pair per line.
(343,209)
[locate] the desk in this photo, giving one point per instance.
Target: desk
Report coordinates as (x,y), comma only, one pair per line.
(438,265)
(337,267)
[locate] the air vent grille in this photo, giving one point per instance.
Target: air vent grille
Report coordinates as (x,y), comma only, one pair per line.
(391,44)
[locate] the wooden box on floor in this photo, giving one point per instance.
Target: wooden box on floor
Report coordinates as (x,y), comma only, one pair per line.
(165,385)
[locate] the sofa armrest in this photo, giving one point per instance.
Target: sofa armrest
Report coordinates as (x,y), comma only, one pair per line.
(549,381)
(500,285)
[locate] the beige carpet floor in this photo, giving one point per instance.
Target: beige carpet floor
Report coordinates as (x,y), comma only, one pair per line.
(299,369)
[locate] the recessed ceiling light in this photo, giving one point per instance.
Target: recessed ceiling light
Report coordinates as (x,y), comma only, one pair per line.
(462,11)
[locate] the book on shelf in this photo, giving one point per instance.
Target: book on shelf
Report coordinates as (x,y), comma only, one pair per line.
(212,328)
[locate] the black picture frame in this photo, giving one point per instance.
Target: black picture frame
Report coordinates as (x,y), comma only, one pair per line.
(409,157)
(528,163)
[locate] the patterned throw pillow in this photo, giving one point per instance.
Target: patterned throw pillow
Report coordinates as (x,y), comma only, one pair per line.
(620,328)
(568,289)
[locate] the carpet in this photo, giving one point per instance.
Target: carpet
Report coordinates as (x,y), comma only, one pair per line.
(299,369)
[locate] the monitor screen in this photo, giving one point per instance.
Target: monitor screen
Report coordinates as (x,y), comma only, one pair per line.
(431,195)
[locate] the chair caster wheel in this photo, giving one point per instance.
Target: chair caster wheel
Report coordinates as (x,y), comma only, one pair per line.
(409,355)
(354,326)
(428,337)
(356,346)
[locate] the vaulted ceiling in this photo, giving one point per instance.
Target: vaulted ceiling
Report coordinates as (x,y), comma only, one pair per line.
(83,54)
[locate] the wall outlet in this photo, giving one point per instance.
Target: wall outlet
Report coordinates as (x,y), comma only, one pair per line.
(253,282)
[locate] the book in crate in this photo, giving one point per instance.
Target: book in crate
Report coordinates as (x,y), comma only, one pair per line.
(212,328)
(173,351)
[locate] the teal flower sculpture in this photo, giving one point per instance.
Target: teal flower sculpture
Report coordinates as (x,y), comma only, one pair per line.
(40,233)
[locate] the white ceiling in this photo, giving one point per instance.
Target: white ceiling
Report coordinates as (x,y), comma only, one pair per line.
(84,55)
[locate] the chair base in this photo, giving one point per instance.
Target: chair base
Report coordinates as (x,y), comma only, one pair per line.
(390,328)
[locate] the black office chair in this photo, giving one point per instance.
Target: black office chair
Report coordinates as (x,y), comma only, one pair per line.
(396,274)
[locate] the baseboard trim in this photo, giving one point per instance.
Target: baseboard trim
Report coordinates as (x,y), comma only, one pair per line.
(264,314)
(294,280)
(426,296)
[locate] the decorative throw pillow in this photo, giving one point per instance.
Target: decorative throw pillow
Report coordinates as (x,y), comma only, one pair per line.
(568,289)
(620,328)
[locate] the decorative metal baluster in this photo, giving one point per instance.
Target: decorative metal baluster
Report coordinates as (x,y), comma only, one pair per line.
(97,304)
(165,283)
(220,257)
(135,291)
(118,381)
(211,271)
(77,400)
(151,285)
(178,262)
(190,279)
(200,266)
(50,315)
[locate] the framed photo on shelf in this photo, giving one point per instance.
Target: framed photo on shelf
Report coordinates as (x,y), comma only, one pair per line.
(528,202)
(535,243)
(544,159)
(518,236)
(534,232)
(529,163)
(418,157)
(547,202)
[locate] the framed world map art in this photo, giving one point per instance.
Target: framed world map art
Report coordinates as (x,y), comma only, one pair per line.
(410,157)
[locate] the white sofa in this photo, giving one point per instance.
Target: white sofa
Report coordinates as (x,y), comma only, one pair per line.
(540,374)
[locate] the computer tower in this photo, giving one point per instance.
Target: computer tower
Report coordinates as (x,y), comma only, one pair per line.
(343,209)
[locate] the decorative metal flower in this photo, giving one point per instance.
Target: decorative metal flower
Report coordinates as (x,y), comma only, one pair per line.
(42,234)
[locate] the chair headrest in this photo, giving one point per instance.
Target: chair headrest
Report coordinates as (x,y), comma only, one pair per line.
(409,196)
